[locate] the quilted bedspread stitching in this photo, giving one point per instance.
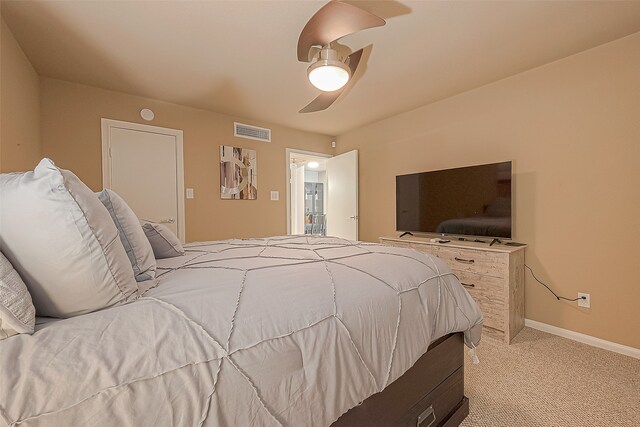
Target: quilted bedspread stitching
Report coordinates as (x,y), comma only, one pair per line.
(285,243)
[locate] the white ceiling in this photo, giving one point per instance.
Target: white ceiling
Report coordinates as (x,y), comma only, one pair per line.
(239,57)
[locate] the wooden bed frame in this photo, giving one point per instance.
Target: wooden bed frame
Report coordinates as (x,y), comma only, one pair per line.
(429,394)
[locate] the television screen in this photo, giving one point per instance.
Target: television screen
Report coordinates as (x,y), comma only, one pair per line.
(472,201)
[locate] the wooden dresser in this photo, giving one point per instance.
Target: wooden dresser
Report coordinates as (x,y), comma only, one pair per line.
(493,275)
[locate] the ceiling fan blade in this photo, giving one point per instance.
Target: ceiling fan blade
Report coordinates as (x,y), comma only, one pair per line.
(322,101)
(354,60)
(325,99)
(332,21)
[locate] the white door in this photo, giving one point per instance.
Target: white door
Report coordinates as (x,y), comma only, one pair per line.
(143,164)
(342,196)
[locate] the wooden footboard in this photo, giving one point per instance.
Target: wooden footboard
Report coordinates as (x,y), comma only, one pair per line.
(429,394)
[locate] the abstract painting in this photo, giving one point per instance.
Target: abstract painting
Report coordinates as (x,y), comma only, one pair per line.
(238,173)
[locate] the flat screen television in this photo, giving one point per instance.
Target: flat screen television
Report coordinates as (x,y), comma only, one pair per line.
(467,201)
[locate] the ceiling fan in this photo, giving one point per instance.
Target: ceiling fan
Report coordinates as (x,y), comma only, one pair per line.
(327,71)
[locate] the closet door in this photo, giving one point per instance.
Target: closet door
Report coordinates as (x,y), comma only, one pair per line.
(144,166)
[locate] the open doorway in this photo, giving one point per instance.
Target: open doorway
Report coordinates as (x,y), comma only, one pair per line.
(322,194)
(306,193)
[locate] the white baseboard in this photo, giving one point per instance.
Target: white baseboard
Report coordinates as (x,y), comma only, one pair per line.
(585,339)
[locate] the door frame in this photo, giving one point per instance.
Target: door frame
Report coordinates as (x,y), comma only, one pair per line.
(108,124)
(288,152)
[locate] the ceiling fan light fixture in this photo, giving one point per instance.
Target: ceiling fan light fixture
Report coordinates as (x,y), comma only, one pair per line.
(328,73)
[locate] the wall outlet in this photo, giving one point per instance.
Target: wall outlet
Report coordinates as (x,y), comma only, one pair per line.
(275,195)
(190,194)
(584,302)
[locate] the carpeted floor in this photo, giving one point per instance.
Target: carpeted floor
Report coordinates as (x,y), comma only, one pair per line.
(545,380)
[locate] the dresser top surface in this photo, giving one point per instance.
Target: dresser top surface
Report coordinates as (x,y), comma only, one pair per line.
(454,243)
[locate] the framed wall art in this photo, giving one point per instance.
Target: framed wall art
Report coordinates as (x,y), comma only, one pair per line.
(238,173)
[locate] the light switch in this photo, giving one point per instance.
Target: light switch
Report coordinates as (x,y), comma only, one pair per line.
(275,195)
(190,193)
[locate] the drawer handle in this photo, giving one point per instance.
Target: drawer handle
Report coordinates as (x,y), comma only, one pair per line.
(427,418)
(465,261)
(468,285)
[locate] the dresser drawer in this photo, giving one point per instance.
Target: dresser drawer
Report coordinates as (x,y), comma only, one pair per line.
(426,249)
(484,263)
(396,244)
(489,293)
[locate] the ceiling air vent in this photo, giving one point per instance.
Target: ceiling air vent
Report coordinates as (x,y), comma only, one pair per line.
(252,132)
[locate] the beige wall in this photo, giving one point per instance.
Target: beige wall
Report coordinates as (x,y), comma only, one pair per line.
(19,106)
(572,129)
(71,116)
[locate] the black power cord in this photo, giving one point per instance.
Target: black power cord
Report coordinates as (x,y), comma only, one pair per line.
(558,297)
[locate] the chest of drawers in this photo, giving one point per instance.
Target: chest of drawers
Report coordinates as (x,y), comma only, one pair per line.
(493,276)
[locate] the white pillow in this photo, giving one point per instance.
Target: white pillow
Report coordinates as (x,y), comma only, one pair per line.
(17,313)
(63,243)
(165,244)
(132,237)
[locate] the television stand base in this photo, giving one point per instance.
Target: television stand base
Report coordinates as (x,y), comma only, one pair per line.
(467,239)
(405,233)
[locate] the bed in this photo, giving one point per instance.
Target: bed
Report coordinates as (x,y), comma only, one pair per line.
(477,226)
(289,330)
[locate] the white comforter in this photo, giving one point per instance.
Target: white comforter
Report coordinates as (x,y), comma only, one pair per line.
(281,331)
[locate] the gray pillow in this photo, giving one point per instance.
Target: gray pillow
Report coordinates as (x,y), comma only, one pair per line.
(17,313)
(131,235)
(165,244)
(63,243)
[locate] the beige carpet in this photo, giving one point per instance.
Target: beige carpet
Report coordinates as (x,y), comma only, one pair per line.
(545,380)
